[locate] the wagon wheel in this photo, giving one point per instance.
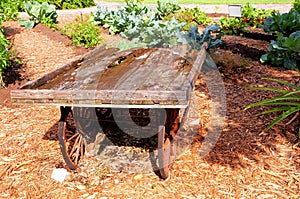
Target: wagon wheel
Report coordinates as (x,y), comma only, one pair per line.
(166,134)
(71,142)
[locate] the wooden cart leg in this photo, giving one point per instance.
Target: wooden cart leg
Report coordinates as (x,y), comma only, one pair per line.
(70,141)
(164,152)
(166,133)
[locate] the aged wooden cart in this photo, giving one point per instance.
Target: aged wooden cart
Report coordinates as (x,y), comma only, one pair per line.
(154,78)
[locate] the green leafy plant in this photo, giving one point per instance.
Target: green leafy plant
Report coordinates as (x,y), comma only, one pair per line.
(284,51)
(232,26)
(124,18)
(167,7)
(118,22)
(296,5)
(196,40)
(70,4)
(101,15)
(83,32)
(255,17)
(6,57)
(285,23)
(191,16)
(9,10)
(39,13)
(136,6)
(154,34)
(287,102)
(18,5)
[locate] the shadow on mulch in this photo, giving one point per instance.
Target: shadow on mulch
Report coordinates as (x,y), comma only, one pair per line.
(13,74)
(10,32)
(103,121)
(237,142)
(243,141)
(241,151)
(13,79)
(52,133)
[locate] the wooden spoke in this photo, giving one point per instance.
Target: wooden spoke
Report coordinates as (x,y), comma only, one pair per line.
(71,141)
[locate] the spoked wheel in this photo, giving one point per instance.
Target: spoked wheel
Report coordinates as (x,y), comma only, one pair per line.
(165,136)
(71,142)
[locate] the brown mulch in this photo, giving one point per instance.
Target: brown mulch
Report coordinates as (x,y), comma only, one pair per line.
(246,162)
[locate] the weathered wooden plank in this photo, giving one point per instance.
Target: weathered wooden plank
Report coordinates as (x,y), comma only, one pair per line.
(103,74)
(72,78)
(124,97)
(196,70)
(157,70)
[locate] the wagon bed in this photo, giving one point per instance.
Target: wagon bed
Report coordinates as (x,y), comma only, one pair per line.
(140,78)
(109,77)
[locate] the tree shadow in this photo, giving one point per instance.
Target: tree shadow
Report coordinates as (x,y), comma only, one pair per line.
(10,32)
(13,74)
(243,140)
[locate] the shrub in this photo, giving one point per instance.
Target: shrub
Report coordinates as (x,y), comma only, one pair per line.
(296,5)
(255,17)
(285,23)
(232,26)
(191,16)
(284,51)
(83,32)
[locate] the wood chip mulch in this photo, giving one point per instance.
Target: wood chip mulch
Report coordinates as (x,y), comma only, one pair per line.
(246,162)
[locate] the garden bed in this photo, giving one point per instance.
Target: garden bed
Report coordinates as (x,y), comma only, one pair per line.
(245,162)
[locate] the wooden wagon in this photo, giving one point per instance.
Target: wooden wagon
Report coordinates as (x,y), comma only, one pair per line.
(106,79)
